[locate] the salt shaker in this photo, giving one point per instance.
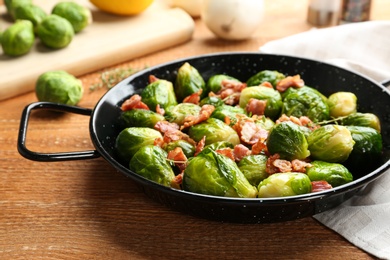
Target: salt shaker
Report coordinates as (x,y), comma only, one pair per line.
(355,11)
(324,12)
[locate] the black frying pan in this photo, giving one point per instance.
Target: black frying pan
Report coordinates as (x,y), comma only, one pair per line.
(104,128)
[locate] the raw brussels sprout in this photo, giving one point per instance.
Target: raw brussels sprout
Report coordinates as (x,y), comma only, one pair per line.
(150,162)
(288,140)
(32,12)
(215,174)
(362,119)
(18,38)
(188,149)
(254,168)
(215,101)
(308,102)
(159,92)
(335,174)
(367,149)
(188,81)
(176,114)
(140,117)
(132,139)
(55,32)
(224,111)
(284,184)
(272,96)
(214,82)
(59,86)
(12,5)
(342,104)
(270,76)
(78,15)
(330,143)
(215,130)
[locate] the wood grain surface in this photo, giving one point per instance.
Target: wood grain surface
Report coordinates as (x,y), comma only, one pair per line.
(87,210)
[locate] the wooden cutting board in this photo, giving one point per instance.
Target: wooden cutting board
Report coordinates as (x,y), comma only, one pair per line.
(109,40)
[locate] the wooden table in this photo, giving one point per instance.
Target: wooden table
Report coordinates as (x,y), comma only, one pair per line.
(87,210)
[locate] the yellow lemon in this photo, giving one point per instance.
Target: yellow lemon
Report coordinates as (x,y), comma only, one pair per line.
(122,7)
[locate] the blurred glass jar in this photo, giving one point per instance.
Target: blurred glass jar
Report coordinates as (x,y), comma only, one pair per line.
(232,19)
(324,12)
(355,11)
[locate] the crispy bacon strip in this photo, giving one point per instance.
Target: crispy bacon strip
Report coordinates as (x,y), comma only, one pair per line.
(134,102)
(240,151)
(259,147)
(228,152)
(299,165)
(230,91)
(248,131)
(256,106)
(282,165)
(288,82)
(270,167)
(178,157)
(204,114)
(317,186)
(172,133)
(194,98)
(200,145)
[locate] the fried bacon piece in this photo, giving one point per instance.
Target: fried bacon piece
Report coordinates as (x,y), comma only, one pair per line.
(302,121)
(299,165)
(194,98)
(256,106)
(266,84)
(317,186)
(152,78)
(259,147)
(204,114)
(230,91)
(270,167)
(290,81)
(248,131)
(177,181)
(160,110)
(228,152)
(275,164)
(282,165)
(200,145)
(134,102)
(240,151)
(171,132)
(178,157)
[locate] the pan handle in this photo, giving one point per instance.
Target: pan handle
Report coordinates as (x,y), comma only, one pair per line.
(386,83)
(47,157)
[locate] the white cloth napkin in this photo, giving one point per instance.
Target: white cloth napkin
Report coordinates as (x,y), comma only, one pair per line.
(364,220)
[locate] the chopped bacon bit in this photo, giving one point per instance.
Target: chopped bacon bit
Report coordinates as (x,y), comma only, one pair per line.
(240,151)
(248,131)
(165,126)
(266,84)
(230,91)
(302,121)
(172,133)
(270,168)
(194,98)
(160,110)
(299,165)
(152,78)
(228,152)
(159,142)
(317,186)
(259,147)
(290,81)
(227,120)
(282,165)
(178,157)
(177,181)
(134,102)
(200,145)
(256,106)
(204,114)
(233,84)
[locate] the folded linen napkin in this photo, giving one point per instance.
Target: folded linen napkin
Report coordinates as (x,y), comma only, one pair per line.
(364,220)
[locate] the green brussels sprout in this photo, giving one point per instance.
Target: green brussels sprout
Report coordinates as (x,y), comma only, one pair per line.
(188,81)
(215,130)
(215,101)
(284,184)
(224,111)
(140,117)
(272,96)
(159,92)
(55,32)
(270,76)
(214,82)
(367,149)
(308,102)
(188,149)
(254,168)
(215,174)
(176,114)
(265,123)
(150,162)
(32,12)
(59,86)
(18,38)
(78,15)
(342,104)
(362,119)
(132,139)
(12,5)
(288,140)
(335,174)
(330,143)
(217,145)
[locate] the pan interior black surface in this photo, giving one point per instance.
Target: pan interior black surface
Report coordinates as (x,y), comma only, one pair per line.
(326,78)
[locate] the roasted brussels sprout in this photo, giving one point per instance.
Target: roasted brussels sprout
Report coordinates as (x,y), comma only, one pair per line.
(159,92)
(288,140)
(284,184)
(342,104)
(330,143)
(308,102)
(12,5)
(32,12)
(215,174)
(214,82)
(78,15)
(132,139)
(150,162)
(59,86)
(188,81)
(18,38)
(272,96)
(140,117)
(335,174)
(254,168)
(55,32)
(177,113)
(215,130)
(224,111)
(264,122)
(215,101)
(362,119)
(188,149)
(270,76)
